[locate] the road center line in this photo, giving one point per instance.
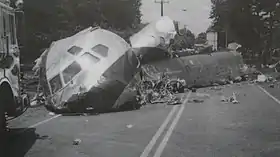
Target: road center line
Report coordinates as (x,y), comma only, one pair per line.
(267,93)
(170,130)
(151,144)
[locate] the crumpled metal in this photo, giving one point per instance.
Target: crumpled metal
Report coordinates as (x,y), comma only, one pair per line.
(163,90)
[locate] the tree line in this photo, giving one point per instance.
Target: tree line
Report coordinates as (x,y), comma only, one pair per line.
(50,20)
(255,24)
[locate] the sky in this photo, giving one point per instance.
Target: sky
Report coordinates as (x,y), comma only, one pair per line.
(196,16)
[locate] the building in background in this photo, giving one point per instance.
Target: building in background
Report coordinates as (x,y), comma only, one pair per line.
(212,39)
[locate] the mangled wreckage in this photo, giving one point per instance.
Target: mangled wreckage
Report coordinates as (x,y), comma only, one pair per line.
(98,70)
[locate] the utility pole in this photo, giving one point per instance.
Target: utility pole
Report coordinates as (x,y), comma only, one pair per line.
(162,2)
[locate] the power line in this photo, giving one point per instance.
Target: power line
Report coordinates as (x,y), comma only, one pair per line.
(162,2)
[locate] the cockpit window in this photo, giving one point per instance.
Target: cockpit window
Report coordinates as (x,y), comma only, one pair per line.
(91,57)
(71,71)
(101,50)
(55,84)
(74,50)
(87,60)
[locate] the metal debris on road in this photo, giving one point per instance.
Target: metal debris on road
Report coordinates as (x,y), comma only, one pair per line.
(261,78)
(217,88)
(38,100)
(34,103)
(231,99)
(237,79)
(224,99)
(221,82)
(193,90)
(270,79)
(129,126)
(271,86)
(196,101)
(203,95)
(44,137)
(235,102)
(160,91)
(174,101)
(77,141)
(51,113)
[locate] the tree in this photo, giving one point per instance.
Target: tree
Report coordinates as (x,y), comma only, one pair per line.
(252,23)
(201,38)
(51,20)
(187,39)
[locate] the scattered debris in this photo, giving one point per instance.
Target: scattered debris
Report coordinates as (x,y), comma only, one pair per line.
(257,73)
(215,84)
(38,100)
(224,99)
(244,68)
(270,79)
(51,113)
(34,103)
(235,102)
(160,91)
(203,95)
(77,141)
(237,79)
(253,82)
(222,82)
(193,90)
(271,86)
(44,137)
(245,77)
(196,101)
(129,126)
(261,78)
(274,65)
(174,101)
(217,88)
(231,99)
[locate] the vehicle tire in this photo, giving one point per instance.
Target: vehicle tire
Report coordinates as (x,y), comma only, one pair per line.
(2,130)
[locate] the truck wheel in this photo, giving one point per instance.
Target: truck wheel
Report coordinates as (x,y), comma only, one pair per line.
(2,129)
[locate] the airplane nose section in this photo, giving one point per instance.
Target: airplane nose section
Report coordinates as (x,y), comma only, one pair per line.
(101,97)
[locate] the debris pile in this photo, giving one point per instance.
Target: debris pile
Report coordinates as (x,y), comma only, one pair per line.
(266,75)
(160,91)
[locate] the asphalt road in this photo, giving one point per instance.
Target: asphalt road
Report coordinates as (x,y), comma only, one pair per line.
(208,129)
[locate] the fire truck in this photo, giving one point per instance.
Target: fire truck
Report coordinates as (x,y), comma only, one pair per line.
(13,101)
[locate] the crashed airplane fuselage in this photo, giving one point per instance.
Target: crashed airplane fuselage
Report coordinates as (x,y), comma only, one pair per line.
(92,68)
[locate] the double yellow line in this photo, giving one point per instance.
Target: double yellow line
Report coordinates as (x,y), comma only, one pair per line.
(160,131)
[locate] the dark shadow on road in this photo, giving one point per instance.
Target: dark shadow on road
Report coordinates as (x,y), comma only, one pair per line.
(20,141)
(129,106)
